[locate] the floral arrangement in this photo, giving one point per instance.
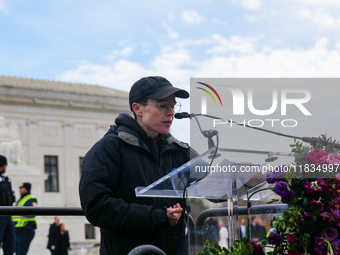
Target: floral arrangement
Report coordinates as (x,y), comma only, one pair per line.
(311,188)
(238,248)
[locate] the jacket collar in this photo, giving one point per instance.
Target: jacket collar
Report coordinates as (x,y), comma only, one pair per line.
(131,137)
(132,133)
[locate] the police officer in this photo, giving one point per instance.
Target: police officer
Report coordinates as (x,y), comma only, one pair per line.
(24,225)
(6,199)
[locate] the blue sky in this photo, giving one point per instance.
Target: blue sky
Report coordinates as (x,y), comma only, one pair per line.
(114,43)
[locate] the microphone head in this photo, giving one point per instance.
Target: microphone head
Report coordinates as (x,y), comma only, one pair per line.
(181,115)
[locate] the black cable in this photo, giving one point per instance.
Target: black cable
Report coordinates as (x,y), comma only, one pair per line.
(196,181)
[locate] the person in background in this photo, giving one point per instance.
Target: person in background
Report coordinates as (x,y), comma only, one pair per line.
(64,241)
(53,236)
(24,225)
(256,230)
(224,235)
(243,230)
(6,199)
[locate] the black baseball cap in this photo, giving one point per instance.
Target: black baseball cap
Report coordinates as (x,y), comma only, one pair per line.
(3,161)
(155,87)
(26,185)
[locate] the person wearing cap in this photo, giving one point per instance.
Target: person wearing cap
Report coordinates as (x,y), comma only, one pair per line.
(6,199)
(137,152)
(24,225)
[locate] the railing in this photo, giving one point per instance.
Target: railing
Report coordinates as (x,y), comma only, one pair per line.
(77,211)
(39,211)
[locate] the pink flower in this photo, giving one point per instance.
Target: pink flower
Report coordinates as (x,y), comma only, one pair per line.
(325,215)
(333,158)
(292,252)
(291,239)
(316,204)
(337,177)
(257,248)
(330,233)
(317,157)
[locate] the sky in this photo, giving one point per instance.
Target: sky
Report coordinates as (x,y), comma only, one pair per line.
(114,43)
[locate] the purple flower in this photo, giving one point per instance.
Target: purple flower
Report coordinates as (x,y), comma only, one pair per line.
(316,204)
(320,246)
(330,233)
(289,197)
(277,173)
(275,239)
(336,242)
(335,215)
(272,231)
(281,188)
(270,178)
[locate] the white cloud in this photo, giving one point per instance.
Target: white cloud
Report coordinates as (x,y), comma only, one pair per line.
(318,61)
(179,65)
(321,17)
(192,17)
(171,33)
(220,22)
(252,4)
(235,44)
(125,52)
(171,17)
(119,75)
(3,7)
(320,2)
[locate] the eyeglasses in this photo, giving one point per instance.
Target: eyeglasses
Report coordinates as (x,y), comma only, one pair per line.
(165,106)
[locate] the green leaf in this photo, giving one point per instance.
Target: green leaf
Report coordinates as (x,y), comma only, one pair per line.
(243,246)
(216,246)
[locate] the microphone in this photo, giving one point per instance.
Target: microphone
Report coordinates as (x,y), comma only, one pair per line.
(182,115)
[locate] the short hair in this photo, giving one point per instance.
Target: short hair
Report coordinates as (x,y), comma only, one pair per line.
(141,101)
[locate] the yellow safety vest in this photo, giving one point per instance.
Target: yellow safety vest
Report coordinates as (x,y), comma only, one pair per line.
(21,221)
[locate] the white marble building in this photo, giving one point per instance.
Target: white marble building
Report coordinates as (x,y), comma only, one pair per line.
(46,127)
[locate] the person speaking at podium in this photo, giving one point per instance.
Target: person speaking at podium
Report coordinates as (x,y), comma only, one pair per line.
(137,152)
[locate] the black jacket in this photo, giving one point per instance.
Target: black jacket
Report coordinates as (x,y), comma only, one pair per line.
(53,236)
(63,245)
(7,197)
(126,157)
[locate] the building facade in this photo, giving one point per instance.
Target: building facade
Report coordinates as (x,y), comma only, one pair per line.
(46,128)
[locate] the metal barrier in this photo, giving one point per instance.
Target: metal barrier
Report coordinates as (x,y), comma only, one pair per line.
(78,211)
(40,211)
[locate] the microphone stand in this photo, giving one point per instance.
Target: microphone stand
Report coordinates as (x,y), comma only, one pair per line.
(311,140)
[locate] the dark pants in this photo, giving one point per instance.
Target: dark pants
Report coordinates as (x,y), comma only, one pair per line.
(23,238)
(7,235)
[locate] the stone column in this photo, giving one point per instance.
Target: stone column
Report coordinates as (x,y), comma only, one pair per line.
(32,124)
(70,168)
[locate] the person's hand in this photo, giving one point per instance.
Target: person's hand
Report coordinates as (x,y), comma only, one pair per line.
(52,247)
(174,213)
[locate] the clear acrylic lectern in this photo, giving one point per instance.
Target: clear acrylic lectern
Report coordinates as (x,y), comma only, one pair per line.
(221,175)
